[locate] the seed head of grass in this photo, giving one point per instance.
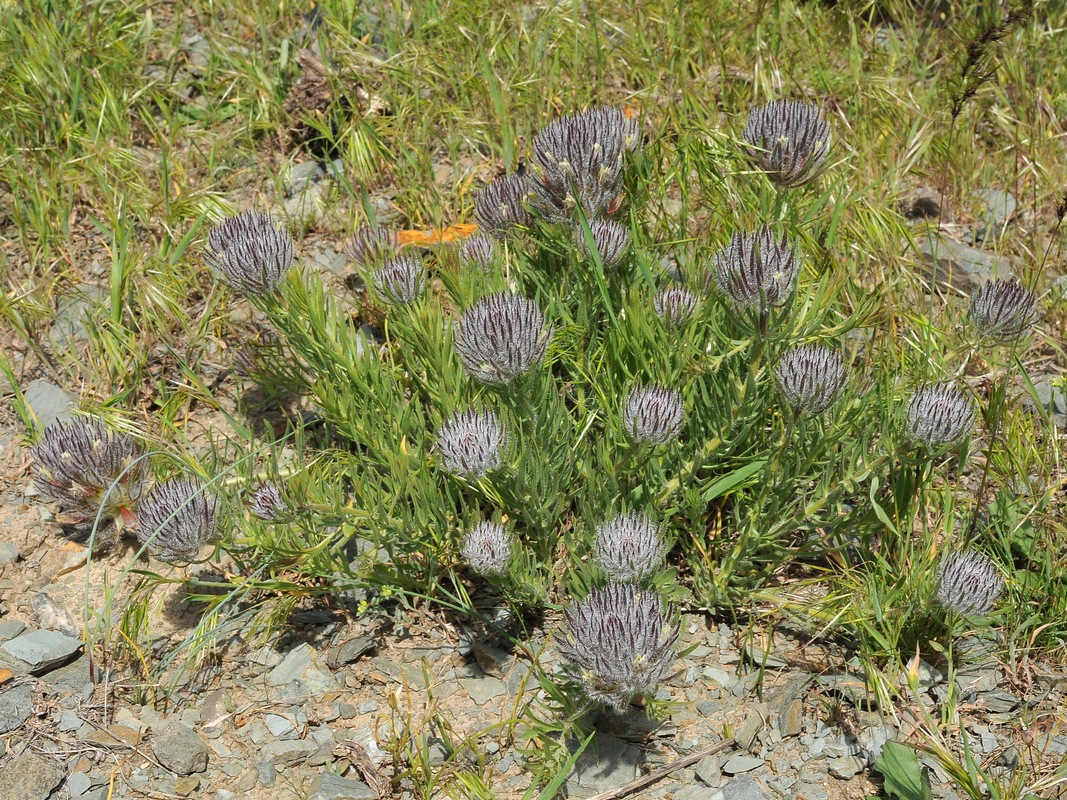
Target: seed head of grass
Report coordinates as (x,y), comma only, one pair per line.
(939,415)
(177,518)
(628,547)
(487,548)
(370,247)
(502,336)
(267,502)
(619,643)
(810,376)
(674,304)
(653,414)
(789,140)
(612,240)
(969,583)
(401,279)
(472,443)
(478,251)
(501,205)
(1003,311)
(249,254)
(76,463)
(578,161)
(757,269)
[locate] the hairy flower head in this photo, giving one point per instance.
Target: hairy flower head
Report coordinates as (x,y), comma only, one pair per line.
(757,269)
(674,304)
(653,414)
(939,415)
(370,247)
(969,583)
(472,443)
(249,253)
(1003,311)
(401,279)
(487,548)
(619,643)
(628,547)
(177,517)
(789,140)
(478,251)
(501,205)
(502,336)
(611,239)
(809,376)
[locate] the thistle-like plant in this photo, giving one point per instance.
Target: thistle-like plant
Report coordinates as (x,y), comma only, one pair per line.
(1003,311)
(487,548)
(969,583)
(88,469)
(501,205)
(472,443)
(478,251)
(810,376)
(653,414)
(401,279)
(578,161)
(177,518)
(502,336)
(267,502)
(249,253)
(611,239)
(757,269)
(628,547)
(619,643)
(371,248)
(674,304)
(789,140)
(939,415)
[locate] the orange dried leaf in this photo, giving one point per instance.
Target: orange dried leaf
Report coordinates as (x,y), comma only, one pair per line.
(452,233)
(5,676)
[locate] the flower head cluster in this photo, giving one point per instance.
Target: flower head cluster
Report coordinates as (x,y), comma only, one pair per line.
(487,548)
(267,502)
(478,251)
(653,414)
(578,161)
(178,517)
(969,583)
(370,248)
(628,547)
(249,253)
(1003,310)
(501,205)
(810,375)
(502,336)
(939,415)
(472,443)
(757,269)
(789,140)
(401,279)
(82,464)
(611,239)
(674,304)
(619,642)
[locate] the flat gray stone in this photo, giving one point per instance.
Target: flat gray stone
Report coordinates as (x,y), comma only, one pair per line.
(709,770)
(48,402)
(998,701)
(43,650)
(303,175)
(967,683)
(83,301)
(605,764)
(696,793)
(791,718)
(9,554)
(77,784)
(301,671)
(334,787)
(16,706)
(287,752)
(846,767)
(280,727)
(738,764)
(959,268)
(29,777)
(744,788)
(10,629)
(995,210)
(482,690)
(180,750)
(349,651)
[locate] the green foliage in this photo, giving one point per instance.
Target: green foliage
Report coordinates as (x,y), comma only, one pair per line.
(905,778)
